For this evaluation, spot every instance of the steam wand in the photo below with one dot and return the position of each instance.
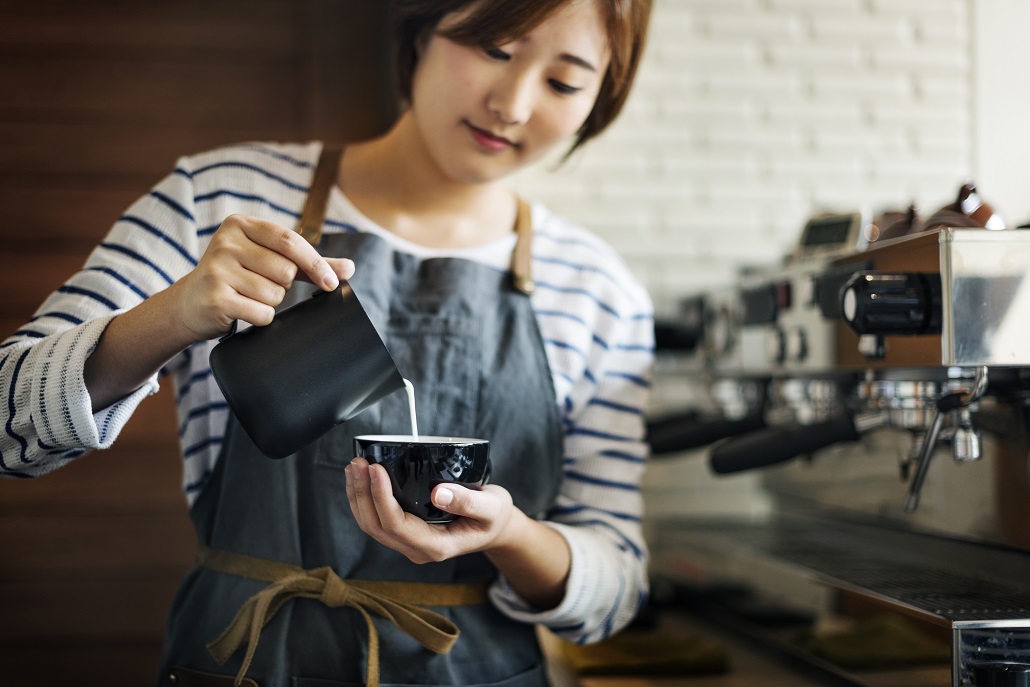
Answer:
(944, 405)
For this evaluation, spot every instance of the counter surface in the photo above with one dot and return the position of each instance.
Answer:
(749, 665)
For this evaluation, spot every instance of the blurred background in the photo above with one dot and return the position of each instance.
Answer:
(748, 117)
(751, 115)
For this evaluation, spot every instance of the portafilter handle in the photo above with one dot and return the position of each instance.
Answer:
(781, 443)
(694, 430)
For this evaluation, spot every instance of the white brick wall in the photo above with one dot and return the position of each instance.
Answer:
(750, 115)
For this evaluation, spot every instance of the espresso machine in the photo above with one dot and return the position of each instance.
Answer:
(877, 385)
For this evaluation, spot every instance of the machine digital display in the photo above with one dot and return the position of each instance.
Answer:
(832, 233)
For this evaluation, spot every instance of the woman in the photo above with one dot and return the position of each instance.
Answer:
(552, 367)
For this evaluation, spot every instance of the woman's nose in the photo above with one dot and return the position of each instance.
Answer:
(511, 99)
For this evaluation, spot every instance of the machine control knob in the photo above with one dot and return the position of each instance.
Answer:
(887, 303)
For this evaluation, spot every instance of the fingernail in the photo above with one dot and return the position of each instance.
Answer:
(330, 281)
(444, 497)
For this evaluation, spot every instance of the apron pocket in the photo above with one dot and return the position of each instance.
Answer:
(442, 357)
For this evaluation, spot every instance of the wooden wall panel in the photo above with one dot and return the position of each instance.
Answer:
(63, 217)
(27, 278)
(90, 558)
(259, 30)
(149, 93)
(111, 152)
(97, 101)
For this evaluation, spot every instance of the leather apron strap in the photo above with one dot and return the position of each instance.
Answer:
(522, 256)
(313, 217)
(399, 602)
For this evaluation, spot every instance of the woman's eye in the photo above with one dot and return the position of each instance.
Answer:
(496, 53)
(563, 88)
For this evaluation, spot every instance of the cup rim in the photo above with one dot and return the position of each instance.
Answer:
(420, 439)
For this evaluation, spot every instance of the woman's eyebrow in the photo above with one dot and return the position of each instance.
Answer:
(578, 61)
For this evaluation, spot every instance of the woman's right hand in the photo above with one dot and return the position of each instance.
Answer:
(245, 272)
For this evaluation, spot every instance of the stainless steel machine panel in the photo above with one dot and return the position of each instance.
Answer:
(884, 397)
(981, 292)
(986, 299)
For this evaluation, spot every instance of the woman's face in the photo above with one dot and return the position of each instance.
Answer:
(485, 112)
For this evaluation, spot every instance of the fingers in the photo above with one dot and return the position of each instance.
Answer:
(392, 517)
(343, 267)
(359, 494)
(295, 248)
(484, 514)
(244, 274)
(380, 516)
(260, 296)
(371, 497)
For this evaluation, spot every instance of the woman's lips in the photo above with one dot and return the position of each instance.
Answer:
(488, 140)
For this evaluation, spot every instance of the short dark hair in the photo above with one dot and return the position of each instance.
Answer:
(492, 22)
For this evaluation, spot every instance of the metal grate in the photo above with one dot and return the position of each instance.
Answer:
(948, 594)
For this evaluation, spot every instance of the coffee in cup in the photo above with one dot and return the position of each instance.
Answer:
(416, 464)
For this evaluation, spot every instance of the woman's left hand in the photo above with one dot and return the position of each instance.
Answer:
(486, 516)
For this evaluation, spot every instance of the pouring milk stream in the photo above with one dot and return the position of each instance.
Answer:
(411, 406)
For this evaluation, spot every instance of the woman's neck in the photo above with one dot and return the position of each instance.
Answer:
(394, 182)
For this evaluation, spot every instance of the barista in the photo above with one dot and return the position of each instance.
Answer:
(552, 367)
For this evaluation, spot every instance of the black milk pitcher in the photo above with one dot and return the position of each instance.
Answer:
(318, 363)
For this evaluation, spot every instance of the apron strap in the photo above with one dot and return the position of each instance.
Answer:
(399, 602)
(522, 256)
(313, 215)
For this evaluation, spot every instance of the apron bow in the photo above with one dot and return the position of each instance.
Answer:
(430, 629)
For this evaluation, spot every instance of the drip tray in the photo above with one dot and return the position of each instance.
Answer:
(794, 573)
(937, 587)
(948, 580)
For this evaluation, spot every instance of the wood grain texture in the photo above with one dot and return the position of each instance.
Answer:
(97, 101)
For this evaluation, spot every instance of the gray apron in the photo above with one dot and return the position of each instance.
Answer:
(468, 341)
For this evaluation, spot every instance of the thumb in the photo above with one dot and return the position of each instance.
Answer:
(453, 499)
(485, 505)
(443, 496)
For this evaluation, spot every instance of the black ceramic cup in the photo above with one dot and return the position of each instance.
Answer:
(417, 464)
(318, 363)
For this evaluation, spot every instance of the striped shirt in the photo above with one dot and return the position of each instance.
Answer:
(595, 319)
